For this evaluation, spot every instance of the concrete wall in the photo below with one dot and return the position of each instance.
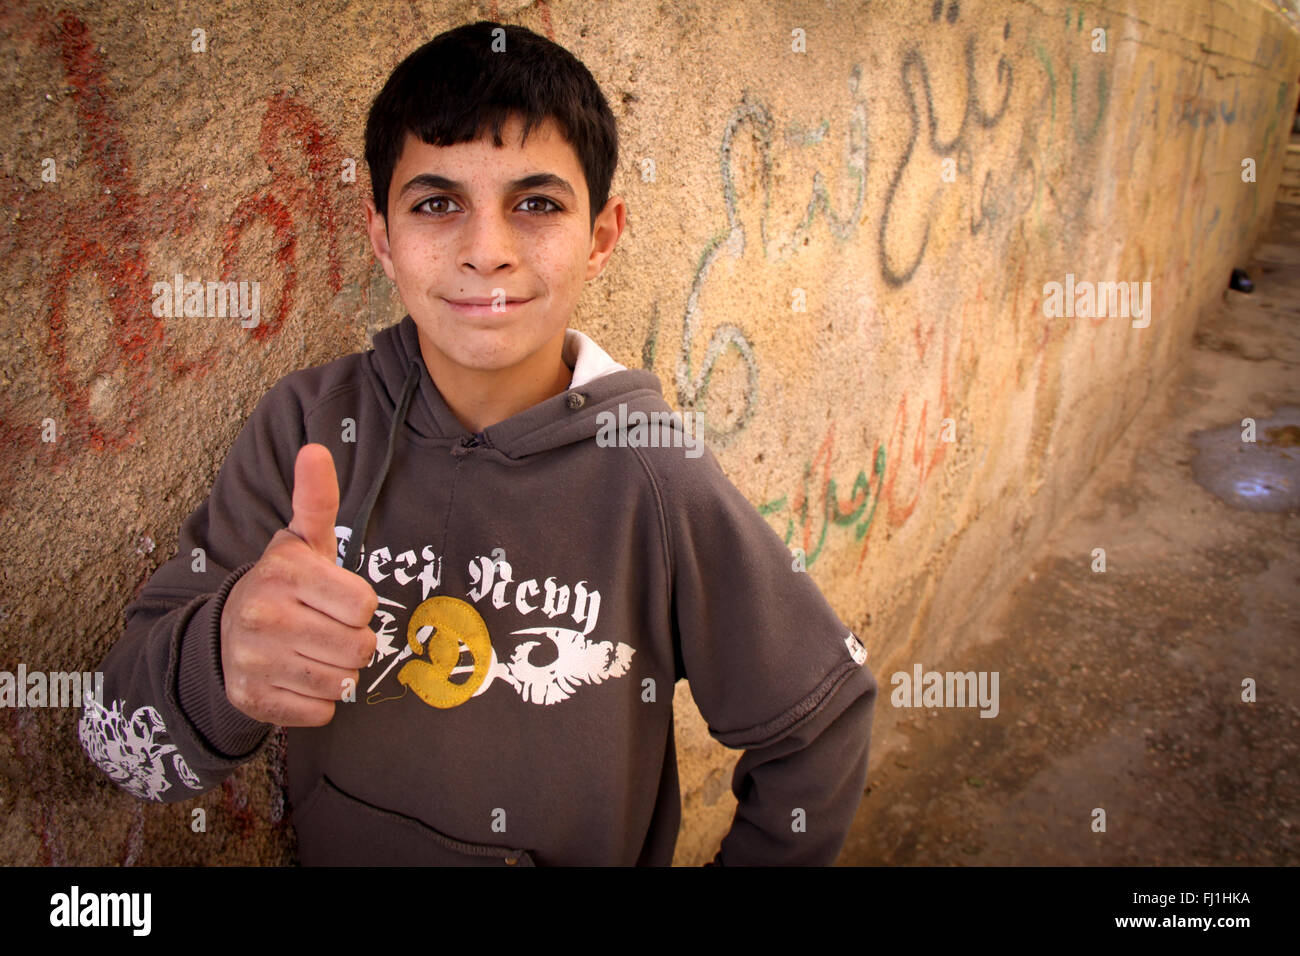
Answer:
(774, 169)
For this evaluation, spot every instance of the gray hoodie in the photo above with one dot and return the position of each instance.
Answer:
(543, 585)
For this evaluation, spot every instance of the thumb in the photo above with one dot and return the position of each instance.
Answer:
(315, 500)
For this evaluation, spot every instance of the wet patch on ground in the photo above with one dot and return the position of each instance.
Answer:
(1253, 466)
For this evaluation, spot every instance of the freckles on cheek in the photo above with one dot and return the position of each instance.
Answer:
(415, 262)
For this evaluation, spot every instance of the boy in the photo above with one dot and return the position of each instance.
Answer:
(475, 654)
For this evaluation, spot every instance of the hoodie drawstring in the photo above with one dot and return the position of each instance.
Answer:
(362, 518)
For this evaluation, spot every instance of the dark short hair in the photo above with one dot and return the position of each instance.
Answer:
(455, 86)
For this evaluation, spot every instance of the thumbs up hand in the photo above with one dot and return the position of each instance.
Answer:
(294, 628)
(315, 500)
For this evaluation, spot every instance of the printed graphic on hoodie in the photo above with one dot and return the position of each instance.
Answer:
(448, 656)
(128, 749)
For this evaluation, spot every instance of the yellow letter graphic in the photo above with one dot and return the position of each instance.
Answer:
(454, 622)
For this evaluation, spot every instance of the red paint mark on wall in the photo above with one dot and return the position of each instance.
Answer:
(819, 509)
(108, 241)
(922, 465)
(288, 118)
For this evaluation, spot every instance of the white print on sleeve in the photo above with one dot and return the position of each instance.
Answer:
(856, 650)
(127, 750)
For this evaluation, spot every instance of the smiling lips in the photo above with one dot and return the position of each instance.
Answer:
(484, 306)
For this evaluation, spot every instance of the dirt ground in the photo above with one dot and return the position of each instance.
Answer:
(1123, 690)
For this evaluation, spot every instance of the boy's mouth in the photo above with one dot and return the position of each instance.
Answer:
(485, 306)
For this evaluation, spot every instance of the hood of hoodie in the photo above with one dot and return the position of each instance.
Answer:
(394, 368)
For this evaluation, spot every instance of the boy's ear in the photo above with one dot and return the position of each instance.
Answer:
(606, 231)
(377, 230)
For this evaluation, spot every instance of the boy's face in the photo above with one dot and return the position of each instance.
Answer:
(478, 230)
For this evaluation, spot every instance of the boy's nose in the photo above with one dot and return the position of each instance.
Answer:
(488, 242)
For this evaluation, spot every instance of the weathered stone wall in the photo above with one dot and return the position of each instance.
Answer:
(802, 265)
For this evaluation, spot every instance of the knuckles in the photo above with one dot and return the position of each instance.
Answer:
(365, 649)
(281, 563)
(237, 690)
(241, 693)
(363, 601)
(370, 606)
(258, 613)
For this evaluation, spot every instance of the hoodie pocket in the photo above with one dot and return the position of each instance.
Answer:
(337, 829)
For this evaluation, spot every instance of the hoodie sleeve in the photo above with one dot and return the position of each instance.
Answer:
(772, 669)
(163, 728)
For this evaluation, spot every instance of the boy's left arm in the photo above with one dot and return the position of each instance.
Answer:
(773, 671)
(797, 796)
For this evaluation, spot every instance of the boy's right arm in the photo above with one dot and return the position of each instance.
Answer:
(166, 728)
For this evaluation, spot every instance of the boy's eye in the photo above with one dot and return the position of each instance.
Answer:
(433, 199)
(555, 207)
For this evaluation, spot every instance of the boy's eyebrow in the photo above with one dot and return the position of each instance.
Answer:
(534, 181)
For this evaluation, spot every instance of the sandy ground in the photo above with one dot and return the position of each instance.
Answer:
(1123, 690)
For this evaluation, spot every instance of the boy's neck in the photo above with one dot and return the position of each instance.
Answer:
(480, 399)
